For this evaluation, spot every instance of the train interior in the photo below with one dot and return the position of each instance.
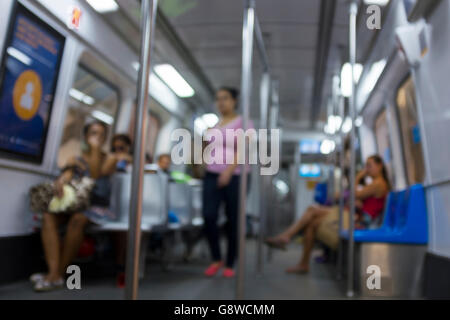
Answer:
(333, 81)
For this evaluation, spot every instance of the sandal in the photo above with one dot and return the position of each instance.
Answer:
(35, 278)
(47, 286)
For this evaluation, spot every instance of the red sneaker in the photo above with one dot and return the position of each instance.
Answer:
(121, 280)
(228, 273)
(213, 269)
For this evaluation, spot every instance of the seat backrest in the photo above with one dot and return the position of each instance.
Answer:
(120, 196)
(417, 216)
(154, 205)
(396, 205)
(197, 202)
(320, 193)
(180, 201)
(154, 192)
(405, 207)
(389, 210)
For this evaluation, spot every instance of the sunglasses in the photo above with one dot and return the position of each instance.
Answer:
(120, 149)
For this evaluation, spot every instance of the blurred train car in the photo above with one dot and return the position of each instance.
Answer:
(67, 63)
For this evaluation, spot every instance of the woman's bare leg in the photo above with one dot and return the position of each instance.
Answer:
(72, 242)
(312, 213)
(308, 245)
(51, 243)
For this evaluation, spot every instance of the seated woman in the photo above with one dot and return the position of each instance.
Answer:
(93, 162)
(370, 200)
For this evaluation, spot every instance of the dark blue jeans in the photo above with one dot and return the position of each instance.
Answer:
(213, 196)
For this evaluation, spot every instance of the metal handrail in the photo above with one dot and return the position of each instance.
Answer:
(251, 32)
(352, 104)
(148, 12)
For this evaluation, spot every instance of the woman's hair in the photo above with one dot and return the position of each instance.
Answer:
(379, 160)
(233, 92)
(93, 123)
(120, 137)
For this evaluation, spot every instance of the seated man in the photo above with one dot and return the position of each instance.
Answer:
(370, 204)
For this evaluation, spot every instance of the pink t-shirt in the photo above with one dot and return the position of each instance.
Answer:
(227, 148)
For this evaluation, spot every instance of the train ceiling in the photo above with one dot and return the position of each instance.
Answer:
(306, 42)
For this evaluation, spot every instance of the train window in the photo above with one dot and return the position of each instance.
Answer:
(91, 98)
(410, 133)
(153, 128)
(383, 142)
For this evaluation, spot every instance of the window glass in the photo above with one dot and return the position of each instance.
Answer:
(90, 99)
(410, 132)
(153, 128)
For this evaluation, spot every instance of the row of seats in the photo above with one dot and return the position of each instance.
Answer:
(405, 220)
(160, 197)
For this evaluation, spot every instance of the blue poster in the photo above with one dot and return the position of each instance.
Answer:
(29, 74)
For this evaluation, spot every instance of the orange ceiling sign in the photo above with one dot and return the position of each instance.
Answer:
(75, 18)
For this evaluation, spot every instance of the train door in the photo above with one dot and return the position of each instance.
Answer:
(410, 132)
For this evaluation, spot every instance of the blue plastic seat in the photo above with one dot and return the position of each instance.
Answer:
(321, 193)
(405, 220)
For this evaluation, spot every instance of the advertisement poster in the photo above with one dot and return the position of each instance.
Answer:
(28, 80)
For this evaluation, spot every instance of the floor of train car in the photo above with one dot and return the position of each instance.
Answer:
(184, 281)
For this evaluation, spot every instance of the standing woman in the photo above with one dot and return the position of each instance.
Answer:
(221, 184)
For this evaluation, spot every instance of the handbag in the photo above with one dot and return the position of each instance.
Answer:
(76, 196)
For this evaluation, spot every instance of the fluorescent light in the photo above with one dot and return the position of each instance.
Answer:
(200, 126)
(106, 118)
(19, 55)
(174, 80)
(372, 77)
(359, 122)
(380, 3)
(136, 65)
(333, 125)
(210, 119)
(162, 93)
(347, 125)
(327, 146)
(282, 187)
(80, 96)
(346, 76)
(103, 6)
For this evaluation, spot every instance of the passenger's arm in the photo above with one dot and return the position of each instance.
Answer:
(110, 165)
(225, 177)
(372, 190)
(95, 157)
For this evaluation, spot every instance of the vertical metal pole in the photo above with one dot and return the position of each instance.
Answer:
(273, 124)
(351, 240)
(247, 55)
(264, 100)
(341, 189)
(148, 16)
